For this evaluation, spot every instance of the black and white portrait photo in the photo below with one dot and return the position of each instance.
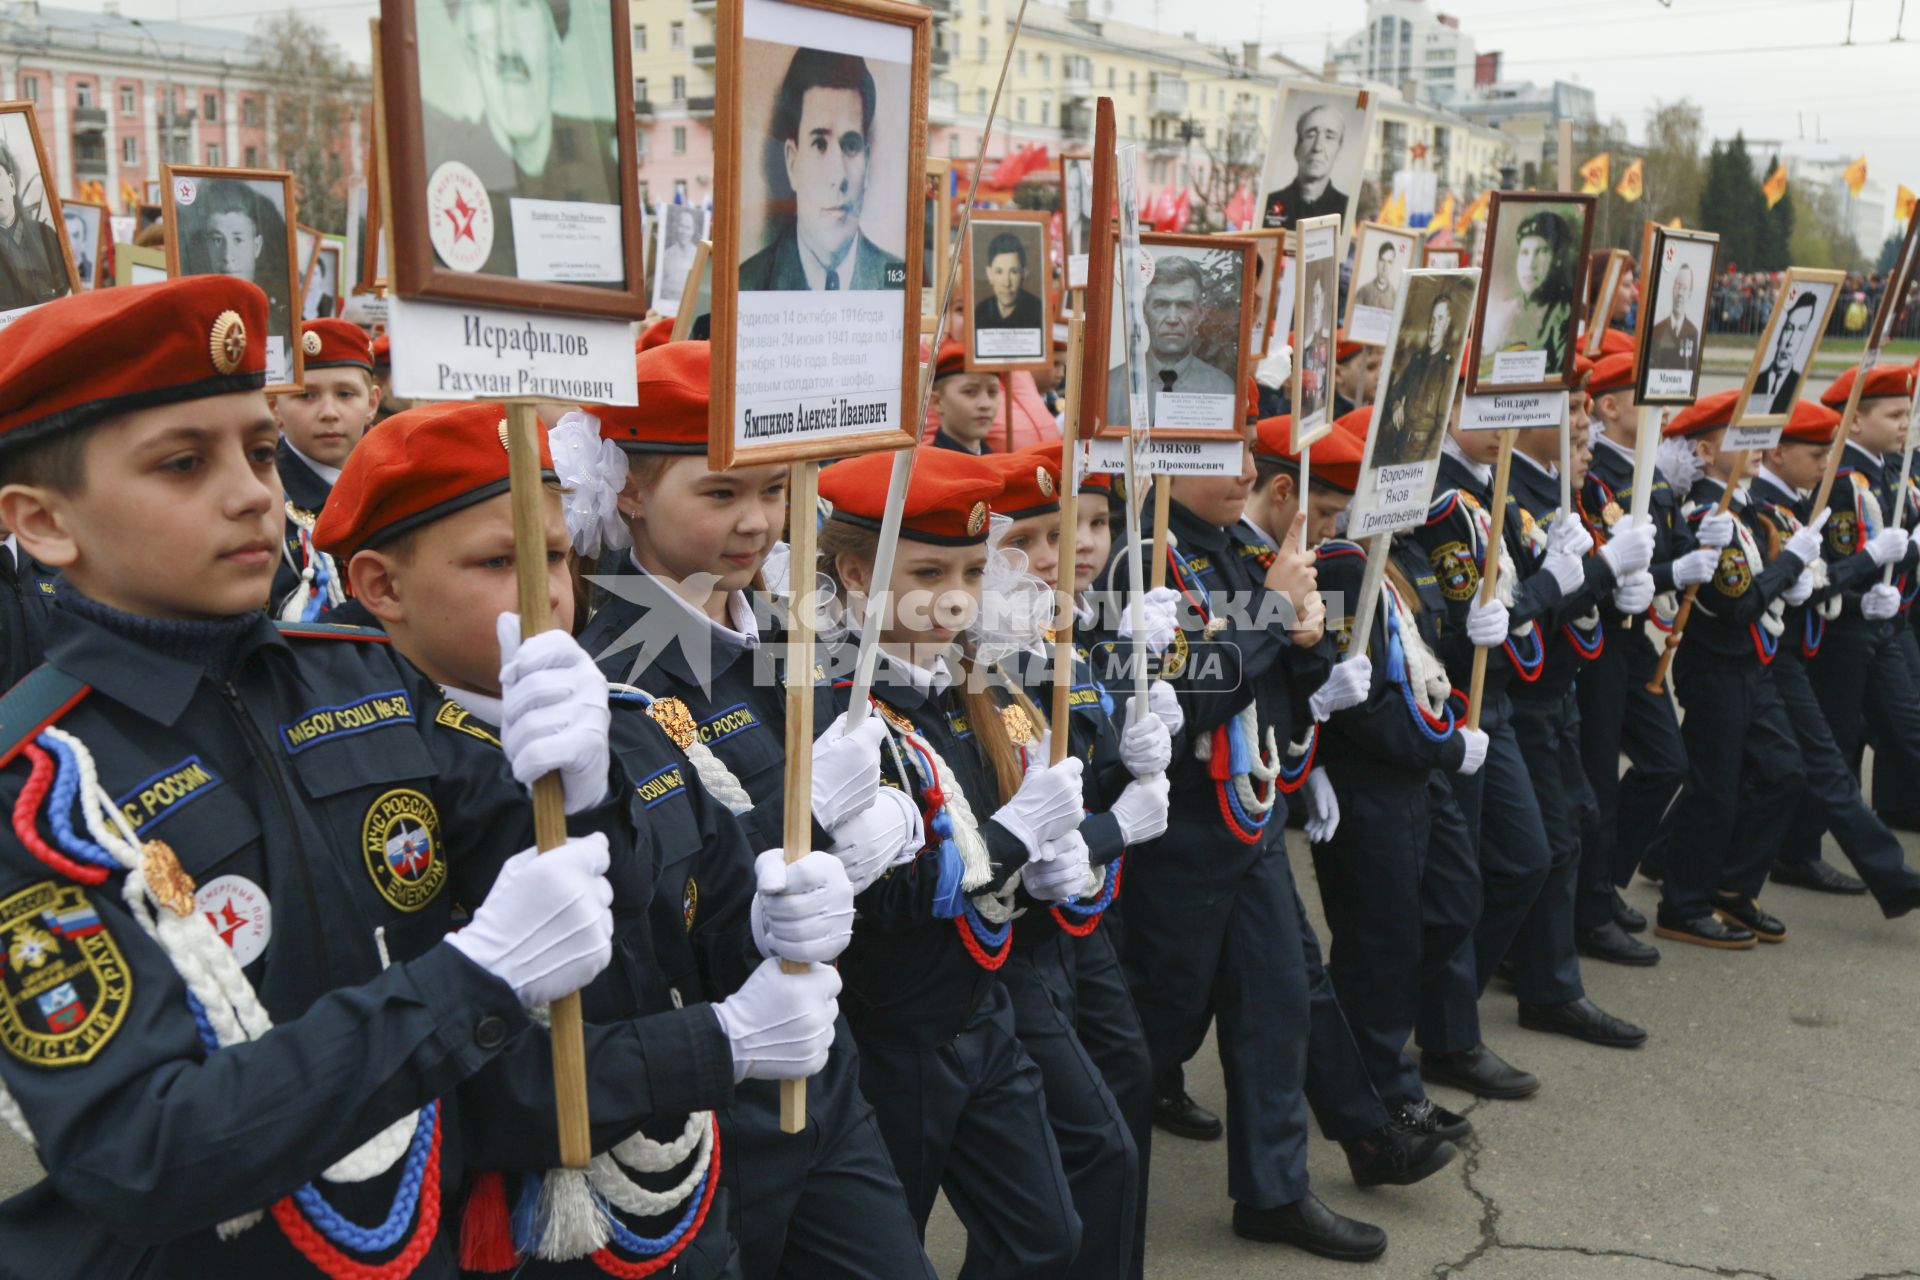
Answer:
(1196, 307)
(1381, 258)
(1535, 259)
(1439, 258)
(1268, 247)
(87, 229)
(679, 226)
(1315, 302)
(1787, 345)
(1076, 215)
(220, 224)
(1006, 279)
(323, 281)
(33, 238)
(1316, 154)
(1676, 296)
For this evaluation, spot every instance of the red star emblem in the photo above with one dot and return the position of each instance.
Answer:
(1419, 150)
(226, 922)
(462, 215)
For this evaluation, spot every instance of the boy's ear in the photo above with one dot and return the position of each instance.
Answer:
(376, 585)
(35, 516)
(854, 573)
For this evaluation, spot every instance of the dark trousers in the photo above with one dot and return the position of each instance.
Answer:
(1109, 1028)
(1449, 1015)
(1618, 714)
(1833, 792)
(969, 1117)
(823, 1202)
(1743, 781)
(1097, 1153)
(1546, 968)
(1502, 809)
(1896, 767)
(1340, 1090)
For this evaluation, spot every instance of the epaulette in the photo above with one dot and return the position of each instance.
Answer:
(1443, 505)
(332, 631)
(42, 697)
(1336, 547)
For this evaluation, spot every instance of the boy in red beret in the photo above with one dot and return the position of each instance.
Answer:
(319, 426)
(1356, 374)
(248, 859)
(963, 405)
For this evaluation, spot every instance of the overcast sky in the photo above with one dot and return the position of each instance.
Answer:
(1777, 69)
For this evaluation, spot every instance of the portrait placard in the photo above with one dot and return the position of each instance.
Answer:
(1196, 305)
(695, 317)
(323, 280)
(1316, 153)
(1006, 270)
(1076, 216)
(305, 240)
(1099, 328)
(679, 229)
(819, 133)
(510, 143)
(36, 262)
(1438, 258)
(1535, 268)
(1513, 410)
(242, 222)
(150, 189)
(1600, 306)
(1410, 411)
(1671, 342)
(1314, 302)
(456, 352)
(1269, 254)
(89, 228)
(1801, 312)
(1381, 258)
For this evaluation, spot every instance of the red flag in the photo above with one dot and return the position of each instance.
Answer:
(1182, 211)
(1009, 172)
(1240, 209)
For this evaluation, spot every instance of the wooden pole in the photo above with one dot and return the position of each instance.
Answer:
(1379, 546)
(1566, 455)
(1006, 405)
(1490, 569)
(549, 804)
(1868, 362)
(1906, 470)
(1162, 512)
(1300, 494)
(797, 828)
(1064, 592)
(1658, 684)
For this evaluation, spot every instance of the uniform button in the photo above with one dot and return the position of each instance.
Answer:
(491, 1033)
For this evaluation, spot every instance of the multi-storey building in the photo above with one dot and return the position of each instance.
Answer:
(1409, 42)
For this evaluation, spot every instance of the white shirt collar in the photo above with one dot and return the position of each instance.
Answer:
(1618, 448)
(1254, 525)
(816, 270)
(1766, 473)
(1481, 471)
(477, 704)
(931, 681)
(330, 474)
(1879, 460)
(1552, 473)
(745, 629)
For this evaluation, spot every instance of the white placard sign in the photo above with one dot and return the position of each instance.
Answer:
(368, 310)
(1507, 410)
(451, 351)
(567, 240)
(1168, 457)
(1751, 438)
(1397, 498)
(1519, 366)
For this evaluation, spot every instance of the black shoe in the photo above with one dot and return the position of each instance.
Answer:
(1583, 1020)
(1705, 931)
(1392, 1156)
(1182, 1117)
(1481, 1072)
(1816, 875)
(1611, 943)
(1738, 909)
(1626, 917)
(1653, 871)
(1426, 1116)
(1308, 1224)
(1901, 903)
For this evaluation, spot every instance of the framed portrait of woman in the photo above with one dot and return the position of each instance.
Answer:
(1535, 271)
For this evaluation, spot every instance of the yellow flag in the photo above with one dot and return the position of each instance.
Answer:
(1903, 202)
(1775, 187)
(1633, 183)
(1595, 174)
(1676, 224)
(1856, 175)
(1394, 211)
(1443, 216)
(1475, 212)
(129, 197)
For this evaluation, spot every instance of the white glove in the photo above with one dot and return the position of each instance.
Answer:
(1165, 703)
(1141, 809)
(1323, 808)
(1568, 536)
(546, 927)
(1886, 546)
(1346, 686)
(1634, 595)
(1805, 541)
(1063, 874)
(1802, 588)
(1146, 748)
(888, 831)
(554, 714)
(1630, 550)
(1488, 624)
(802, 911)
(1476, 750)
(1716, 529)
(1160, 618)
(846, 769)
(780, 1025)
(1880, 603)
(1695, 567)
(1046, 806)
(1276, 368)
(1567, 572)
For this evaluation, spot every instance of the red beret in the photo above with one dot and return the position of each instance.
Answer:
(1345, 349)
(1887, 380)
(951, 359)
(420, 465)
(1611, 373)
(1708, 413)
(382, 349)
(1581, 368)
(1612, 341)
(1030, 485)
(946, 499)
(1049, 452)
(1272, 438)
(336, 344)
(89, 356)
(671, 415)
(657, 334)
(1811, 422)
(1335, 459)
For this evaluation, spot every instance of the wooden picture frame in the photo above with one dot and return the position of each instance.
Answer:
(138, 264)
(700, 281)
(1799, 283)
(1365, 323)
(1096, 302)
(184, 190)
(1600, 312)
(1671, 251)
(664, 217)
(95, 278)
(1558, 314)
(936, 238)
(306, 243)
(41, 188)
(1068, 222)
(1319, 251)
(150, 191)
(1905, 263)
(765, 288)
(1033, 229)
(457, 267)
(1266, 288)
(1450, 257)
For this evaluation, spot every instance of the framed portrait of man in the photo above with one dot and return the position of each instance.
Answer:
(36, 255)
(242, 222)
(1381, 257)
(1269, 263)
(679, 228)
(1006, 278)
(1316, 153)
(305, 241)
(695, 318)
(1534, 271)
(89, 229)
(1076, 216)
(1673, 316)
(1778, 374)
(1437, 258)
(1197, 307)
(936, 239)
(510, 144)
(1315, 313)
(1420, 372)
(323, 281)
(820, 137)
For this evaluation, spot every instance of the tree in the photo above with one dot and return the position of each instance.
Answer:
(319, 92)
(1675, 131)
(1732, 204)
